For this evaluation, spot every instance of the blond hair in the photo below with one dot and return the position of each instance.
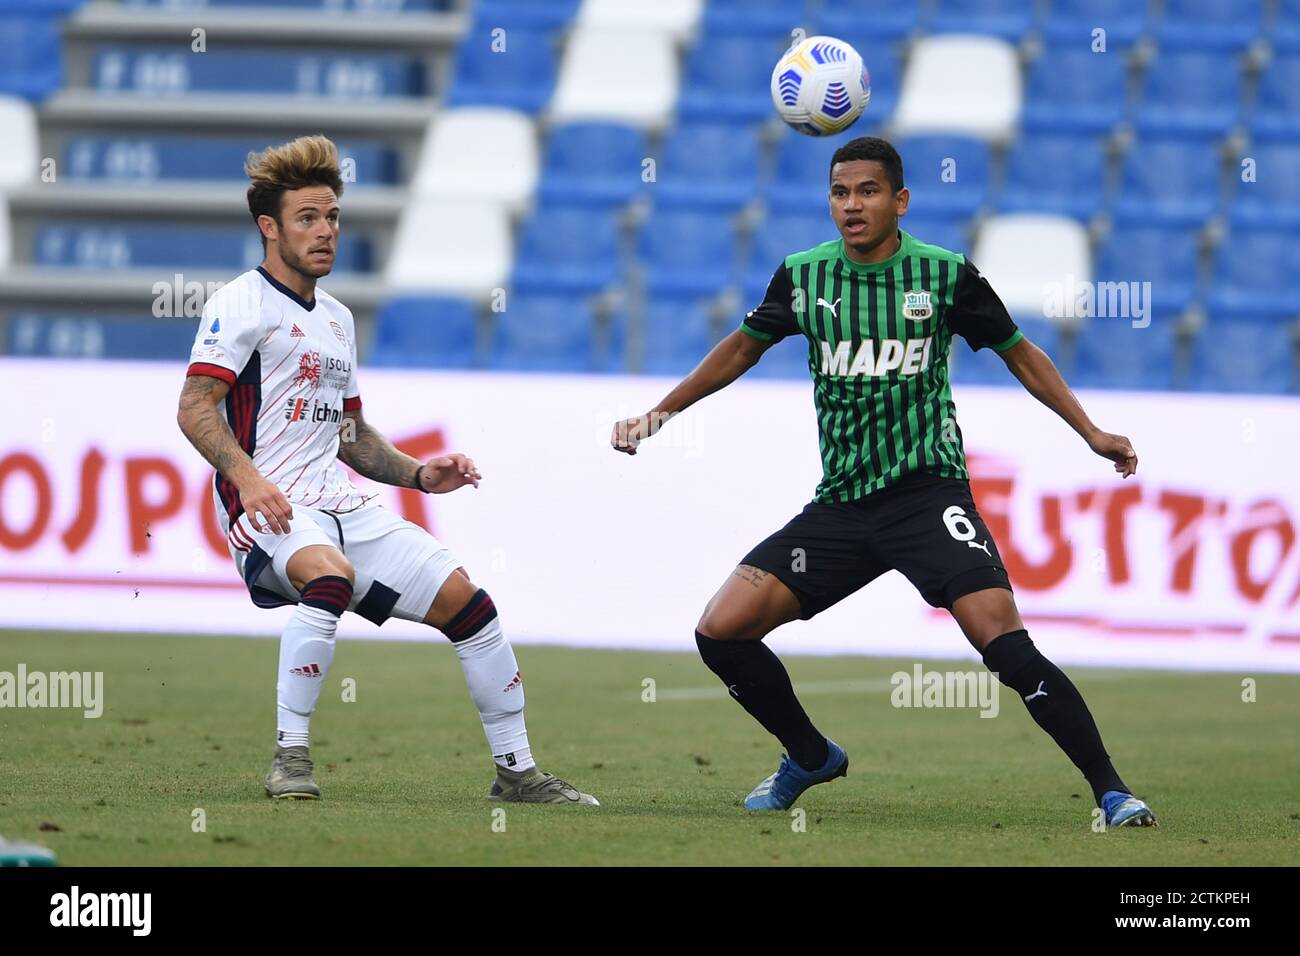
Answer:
(307, 161)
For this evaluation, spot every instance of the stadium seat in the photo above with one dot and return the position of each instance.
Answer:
(456, 247)
(136, 246)
(570, 249)
(31, 56)
(1278, 101)
(1052, 173)
(1220, 25)
(618, 76)
(1239, 353)
(519, 76)
(963, 85)
(1112, 353)
(1073, 21)
(708, 166)
(595, 163)
(152, 158)
(802, 176)
(1025, 256)
(686, 252)
(1008, 19)
(549, 333)
(1273, 198)
(486, 153)
(1074, 90)
(529, 14)
(20, 158)
(947, 233)
(772, 17)
(368, 7)
(1190, 92)
(96, 335)
(1284, 31)
(946, 175)
(728, 77)
(1165, 257)
(786, 359)
(887, 22)
(778, 236)
(425, 332)
(987, 367)
(1254, 270)
(678, 332)
(1169, 180)
(677, 18)
(147, 71)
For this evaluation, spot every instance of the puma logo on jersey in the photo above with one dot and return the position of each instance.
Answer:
(1038, 693)
(982, 545)
(833, 306)
(906, 358)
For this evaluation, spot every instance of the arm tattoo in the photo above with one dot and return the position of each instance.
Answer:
(750, 574)
(208, 431)
(372, 455)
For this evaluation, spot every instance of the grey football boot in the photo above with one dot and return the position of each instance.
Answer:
(290, 775)
(536, 786)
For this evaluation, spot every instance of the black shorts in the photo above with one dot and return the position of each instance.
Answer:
(925, 526)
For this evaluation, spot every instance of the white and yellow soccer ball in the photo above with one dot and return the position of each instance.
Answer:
(820, 86)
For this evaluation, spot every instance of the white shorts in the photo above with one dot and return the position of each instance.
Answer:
(399, 566)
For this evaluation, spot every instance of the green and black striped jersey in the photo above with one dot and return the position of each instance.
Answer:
(878, 338)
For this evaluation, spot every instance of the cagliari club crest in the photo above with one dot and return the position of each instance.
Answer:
(917, 306)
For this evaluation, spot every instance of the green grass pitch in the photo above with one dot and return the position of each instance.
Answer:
(188, 724)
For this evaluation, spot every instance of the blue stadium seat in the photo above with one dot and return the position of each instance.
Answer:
(1190, 92)
(153, 158)
(728, 77)
(786, 359)
(1072, 89)
(778, 236)
(1243, 354)
(230, 248)
(372, 7)
(708, 166)
(687, 253)
(1285, 29)
(1222, 25)
(802, 177)
(773, 17)
(1170, 180)
(678, 332)
(509, 14)
(425, 332)
(1273, 199)
(1254, 271)
(1165, 257)
(39, 8)
(886, 22)
(1278, 107)
(31, 56)
(1111, 353)
(100, 335)
(987, 367)
(1073, 21)
(570, 249)
(940, 187)
(594, 163)
(148, 71)
(1058, 174)
(550, 333)
(951, 234)
(1008, 19)
(520, 77)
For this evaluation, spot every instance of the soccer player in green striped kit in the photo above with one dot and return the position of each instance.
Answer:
(878, 309)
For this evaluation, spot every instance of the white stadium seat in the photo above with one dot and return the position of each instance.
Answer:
(620, 76)
(479, 153)
(677, 18)
(1027, 256)
(960, 84)
(20, 158)
(458, 247)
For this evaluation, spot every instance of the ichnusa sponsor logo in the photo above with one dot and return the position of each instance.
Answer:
(75, 908)
(301, 410)
(57, 689)
(905, 357)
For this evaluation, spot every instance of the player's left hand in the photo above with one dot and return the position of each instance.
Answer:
(1118, 449)
(448, 473)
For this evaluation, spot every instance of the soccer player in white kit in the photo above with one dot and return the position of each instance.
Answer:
(270, 391)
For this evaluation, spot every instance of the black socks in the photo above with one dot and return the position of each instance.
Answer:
(756, 678)
(1056, 706)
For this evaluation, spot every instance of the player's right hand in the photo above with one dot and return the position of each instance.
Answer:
(629, 433)
(262, 497)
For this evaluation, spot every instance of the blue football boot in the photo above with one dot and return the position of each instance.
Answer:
(1125, 810)
(782, 789)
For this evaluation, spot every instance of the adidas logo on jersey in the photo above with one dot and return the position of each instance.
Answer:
(296, 332)
(518, 681)
(307, 670)
(905, 357)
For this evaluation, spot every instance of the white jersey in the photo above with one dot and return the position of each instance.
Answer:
(291, 368)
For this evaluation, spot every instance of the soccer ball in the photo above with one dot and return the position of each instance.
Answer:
(820, 86)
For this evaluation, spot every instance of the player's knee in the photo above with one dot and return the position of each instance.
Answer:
(727, 625)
